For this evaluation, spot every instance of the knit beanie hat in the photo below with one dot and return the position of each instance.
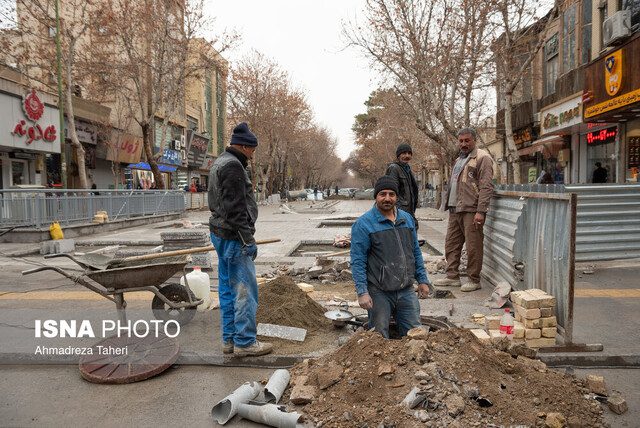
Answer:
(403, 147)
(242, 136)
(385, 182)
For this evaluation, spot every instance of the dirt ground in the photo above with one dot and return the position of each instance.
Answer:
(362, 383)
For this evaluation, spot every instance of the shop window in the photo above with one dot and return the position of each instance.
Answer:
(550, 64)
(587, 6)
(19, 173)
(601, 147)
(569, 38)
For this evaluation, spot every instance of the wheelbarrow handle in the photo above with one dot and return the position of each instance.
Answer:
(177, 253)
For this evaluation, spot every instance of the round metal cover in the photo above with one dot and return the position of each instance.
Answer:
(118, 360)
(340, 315)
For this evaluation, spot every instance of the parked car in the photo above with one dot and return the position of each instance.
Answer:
(364, 194)
(347, 191)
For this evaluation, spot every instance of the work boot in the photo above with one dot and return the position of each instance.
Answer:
(258, 348)
(470, 286)
(447, 281)
(227, 348)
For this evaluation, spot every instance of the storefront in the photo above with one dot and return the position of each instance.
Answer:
(140, 176)
(113, 157)
(560, 127)
(174, 153)
(30, 122)
(197, 159)
(612, 113)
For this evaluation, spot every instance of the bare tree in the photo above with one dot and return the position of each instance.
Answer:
(150, 57)
(432, 52)
(520, 41)
(29, 45)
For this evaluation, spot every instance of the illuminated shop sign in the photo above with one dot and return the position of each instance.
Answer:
(604, 136)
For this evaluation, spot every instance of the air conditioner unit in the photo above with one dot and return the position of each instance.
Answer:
(176, 145)
(616, 28)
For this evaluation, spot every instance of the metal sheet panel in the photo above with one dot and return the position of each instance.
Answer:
(608, 225)
(529, 243)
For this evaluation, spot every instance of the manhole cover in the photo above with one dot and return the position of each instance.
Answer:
(118, 360)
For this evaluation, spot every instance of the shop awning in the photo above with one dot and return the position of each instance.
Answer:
(144, 165)
(542, 144)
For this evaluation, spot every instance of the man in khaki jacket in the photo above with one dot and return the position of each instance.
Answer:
(468, 196)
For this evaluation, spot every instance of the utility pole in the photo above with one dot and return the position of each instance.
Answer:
(63, 157)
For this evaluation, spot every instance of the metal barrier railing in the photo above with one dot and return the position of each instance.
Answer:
(607, 226)
(40, 207)
(530, 243)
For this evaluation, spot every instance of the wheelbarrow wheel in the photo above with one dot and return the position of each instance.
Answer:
(176, 293)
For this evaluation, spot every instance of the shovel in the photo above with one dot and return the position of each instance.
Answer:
(102, 263)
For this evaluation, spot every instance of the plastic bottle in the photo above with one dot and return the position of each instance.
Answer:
(506, 325)
(199, 284)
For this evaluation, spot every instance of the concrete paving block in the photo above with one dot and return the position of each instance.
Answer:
(282, 331)
(46, 247)
(481, 335)
(536, 323)
(532, 333)
(546, 312)
(63, 246)
(549, 322)
(537, 343)
(549, 331)
(528, 314)
(596, 384)
(518, 330)
(617, 404)
(492, 322)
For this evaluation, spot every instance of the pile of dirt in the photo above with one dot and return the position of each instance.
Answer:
(465, 382)
(282, 302)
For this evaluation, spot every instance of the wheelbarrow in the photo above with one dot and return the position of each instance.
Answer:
(114, 277)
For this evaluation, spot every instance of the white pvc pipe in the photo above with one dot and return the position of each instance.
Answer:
(269, 414)
(276, 385)
(228, 406)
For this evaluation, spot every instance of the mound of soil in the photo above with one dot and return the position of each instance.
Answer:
(282, 302)
(363, 383)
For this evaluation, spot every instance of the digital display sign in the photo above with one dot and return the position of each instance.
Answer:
(603, 136)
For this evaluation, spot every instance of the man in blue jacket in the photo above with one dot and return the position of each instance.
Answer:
(232, 224)
(385, 261)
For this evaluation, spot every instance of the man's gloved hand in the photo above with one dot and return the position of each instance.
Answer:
(251, 251)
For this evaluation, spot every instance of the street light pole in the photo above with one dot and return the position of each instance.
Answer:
(63, 157)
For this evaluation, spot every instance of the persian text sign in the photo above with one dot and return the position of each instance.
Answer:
(562, 115)
(30, 123)
(612, 104)
(125, 148)
(197, 154)
(171, 157)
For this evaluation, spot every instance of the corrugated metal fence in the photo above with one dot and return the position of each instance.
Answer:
(529, 244)
(36, 208)
(608, 218)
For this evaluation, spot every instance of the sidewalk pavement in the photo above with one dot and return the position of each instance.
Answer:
(606, 311)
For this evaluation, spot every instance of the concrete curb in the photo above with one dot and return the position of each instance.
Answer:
(185, 358)
(586, 359)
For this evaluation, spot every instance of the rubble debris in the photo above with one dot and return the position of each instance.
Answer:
(617, 404)
(457, 364)
(596, 384)
(342, 241)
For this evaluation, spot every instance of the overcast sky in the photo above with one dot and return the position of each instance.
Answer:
(303, 36)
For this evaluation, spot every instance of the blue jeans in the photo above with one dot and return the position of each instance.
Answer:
(238, 293)
(403, 305)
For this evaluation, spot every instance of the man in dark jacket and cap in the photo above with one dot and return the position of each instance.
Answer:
(407, 186)
(232, 224)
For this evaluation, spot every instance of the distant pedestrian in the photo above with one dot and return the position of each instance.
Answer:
(407, 186)
(315, 193)
(599, 174)
(467, 199)
(234, 212)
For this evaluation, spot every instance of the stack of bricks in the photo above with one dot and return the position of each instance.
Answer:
(534, 315)
(492, 324)
(187, 240)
